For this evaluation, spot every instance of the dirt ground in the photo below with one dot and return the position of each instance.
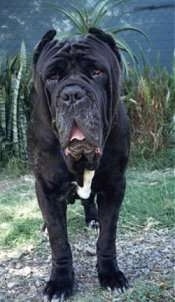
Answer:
(146, 256)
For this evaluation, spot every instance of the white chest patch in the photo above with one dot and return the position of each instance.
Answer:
(85, 191)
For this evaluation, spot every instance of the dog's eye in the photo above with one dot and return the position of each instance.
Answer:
(53, 77)
(96, 72)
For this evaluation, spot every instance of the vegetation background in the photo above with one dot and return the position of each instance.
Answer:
(149, 93)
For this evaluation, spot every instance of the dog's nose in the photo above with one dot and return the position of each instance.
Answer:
(72, 93)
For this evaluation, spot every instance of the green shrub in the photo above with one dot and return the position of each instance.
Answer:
(150, 97)
(14, 92)
(150, 100)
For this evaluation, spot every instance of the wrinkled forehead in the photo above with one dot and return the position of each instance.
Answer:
(76, 50)
(87, 46)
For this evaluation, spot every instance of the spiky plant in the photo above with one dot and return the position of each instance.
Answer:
(84, 18)
(14, 77)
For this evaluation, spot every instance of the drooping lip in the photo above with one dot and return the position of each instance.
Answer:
(77, 134)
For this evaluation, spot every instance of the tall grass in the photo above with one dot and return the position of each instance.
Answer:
(151, 105)
(150, 99)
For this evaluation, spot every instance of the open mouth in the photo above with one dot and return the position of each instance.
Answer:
(79, 145)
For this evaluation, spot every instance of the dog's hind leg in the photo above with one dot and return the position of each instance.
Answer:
(90, 211)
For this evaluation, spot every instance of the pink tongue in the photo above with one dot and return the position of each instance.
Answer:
(76, 133)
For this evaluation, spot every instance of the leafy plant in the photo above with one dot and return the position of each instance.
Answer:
(84, 18)
(151, 106)
(14, 79)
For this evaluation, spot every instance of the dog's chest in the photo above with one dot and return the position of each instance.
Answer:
(85, 191)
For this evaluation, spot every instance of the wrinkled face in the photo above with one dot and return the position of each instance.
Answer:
(77, 83)
(76, 86)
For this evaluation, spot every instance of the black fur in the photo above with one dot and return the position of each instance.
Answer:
(79, 82)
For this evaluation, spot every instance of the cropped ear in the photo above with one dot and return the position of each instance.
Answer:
(106, 38)
(45, 39)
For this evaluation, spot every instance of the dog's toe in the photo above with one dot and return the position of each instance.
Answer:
(55, 293)
(114, 280)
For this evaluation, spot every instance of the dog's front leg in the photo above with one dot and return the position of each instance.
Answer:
(109, 202)
(54, 213)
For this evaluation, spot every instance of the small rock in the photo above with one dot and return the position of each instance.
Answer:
(22, 255)
(37, 283)
(25, 271)
(90, 251)
(11, 285)
(18, 265)
(78, 247)
(49, 259)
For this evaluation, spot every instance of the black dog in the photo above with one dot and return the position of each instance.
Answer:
(78, 142)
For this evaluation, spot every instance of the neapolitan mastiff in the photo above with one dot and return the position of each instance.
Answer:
(78, 141)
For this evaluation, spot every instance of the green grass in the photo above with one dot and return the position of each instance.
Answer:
(151, 160)
(149, 291)
(149, 201)
(142, 291)
(14, 167)
(20, 218)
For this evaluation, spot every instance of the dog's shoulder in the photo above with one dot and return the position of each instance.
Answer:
(121, 125)
(118, 142)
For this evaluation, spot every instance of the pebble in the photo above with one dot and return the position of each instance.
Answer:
(18, 265)
(10, 285)
(37, 283)
(90, 251)
(25, 271)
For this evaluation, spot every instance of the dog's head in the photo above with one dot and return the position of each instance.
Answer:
(79, 81)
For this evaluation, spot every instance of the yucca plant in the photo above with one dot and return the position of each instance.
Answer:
(14, 77)
(93, 16)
